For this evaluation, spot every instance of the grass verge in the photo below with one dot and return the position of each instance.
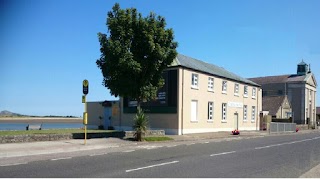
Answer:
(52, 131)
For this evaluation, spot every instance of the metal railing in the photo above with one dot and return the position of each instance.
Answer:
(277, 127)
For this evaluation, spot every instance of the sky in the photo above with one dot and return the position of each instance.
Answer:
(48, 47)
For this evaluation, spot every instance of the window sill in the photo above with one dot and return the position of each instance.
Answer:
(224, 92)
(245, 96)
(209, 121)
(211, 91)
(236, 94)
(253, 121)
(223, 121)
(195, 87)
(253, 97)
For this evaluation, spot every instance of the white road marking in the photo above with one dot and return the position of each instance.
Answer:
(224, 153)
(154, 147)
(13, 164)
(151, 166)
(172, 146)
(286, 143)
(61, 158)
(97, 154)
(128, 151)
(206, 143)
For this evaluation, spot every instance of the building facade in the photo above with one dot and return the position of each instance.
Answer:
(300, 89)
(277, 106)
(103, 114)
(199, 97)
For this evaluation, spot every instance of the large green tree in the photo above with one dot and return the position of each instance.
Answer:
(134, 53)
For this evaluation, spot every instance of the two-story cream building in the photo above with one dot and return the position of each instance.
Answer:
(198, 97)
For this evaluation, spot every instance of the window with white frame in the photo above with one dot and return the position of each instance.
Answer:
(224, 86)
(254, 90)
(224, 112)
(245, 91)
(194, 80)
(210, 111)
(236, 88)
(210, 84)
(245, 112)
(253, 117)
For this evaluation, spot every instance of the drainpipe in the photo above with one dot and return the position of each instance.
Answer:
(182, 102)
(258, 109)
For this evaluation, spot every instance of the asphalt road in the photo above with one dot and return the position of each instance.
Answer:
(271, 156)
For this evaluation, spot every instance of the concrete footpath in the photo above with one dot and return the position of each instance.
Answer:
(14, 150)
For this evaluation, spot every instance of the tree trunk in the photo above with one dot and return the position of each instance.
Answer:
(139, 136)
(138, 104)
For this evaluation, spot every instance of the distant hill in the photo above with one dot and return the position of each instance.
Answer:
(6, 113)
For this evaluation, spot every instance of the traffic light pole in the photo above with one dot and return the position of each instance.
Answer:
(85, 90)
(85, 122)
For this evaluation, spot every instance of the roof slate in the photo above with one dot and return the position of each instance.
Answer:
(272, 104)
(279, 79)
(198, 65)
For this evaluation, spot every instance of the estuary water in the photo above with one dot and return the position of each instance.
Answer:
(22, 126)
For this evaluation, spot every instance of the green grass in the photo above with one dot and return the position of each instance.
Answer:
(155, 139)
(52, 131)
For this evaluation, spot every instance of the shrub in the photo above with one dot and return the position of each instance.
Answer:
(140, 124)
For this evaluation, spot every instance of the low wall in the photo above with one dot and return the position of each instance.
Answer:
(54, 137)
(149, 133)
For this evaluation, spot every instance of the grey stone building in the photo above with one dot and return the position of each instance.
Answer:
(300, 89)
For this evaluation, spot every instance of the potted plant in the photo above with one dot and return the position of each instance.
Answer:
(235, 132)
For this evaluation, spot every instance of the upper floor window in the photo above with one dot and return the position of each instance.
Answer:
(210, 84)
(224, 86)
(236, 88)
(254, 91)
(194, 80)
(245, 91)
(310, 95)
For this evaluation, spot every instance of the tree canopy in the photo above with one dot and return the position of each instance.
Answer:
(134, 53)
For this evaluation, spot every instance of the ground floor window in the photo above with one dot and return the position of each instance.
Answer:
(253, 114)
(210, 111)
(245, 114)
(224, 112)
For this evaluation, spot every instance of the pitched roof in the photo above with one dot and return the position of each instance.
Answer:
(272, 104)
(198, 65)
(280, 79)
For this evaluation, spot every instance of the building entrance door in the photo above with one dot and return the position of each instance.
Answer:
(107, 117)
(236, 121)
